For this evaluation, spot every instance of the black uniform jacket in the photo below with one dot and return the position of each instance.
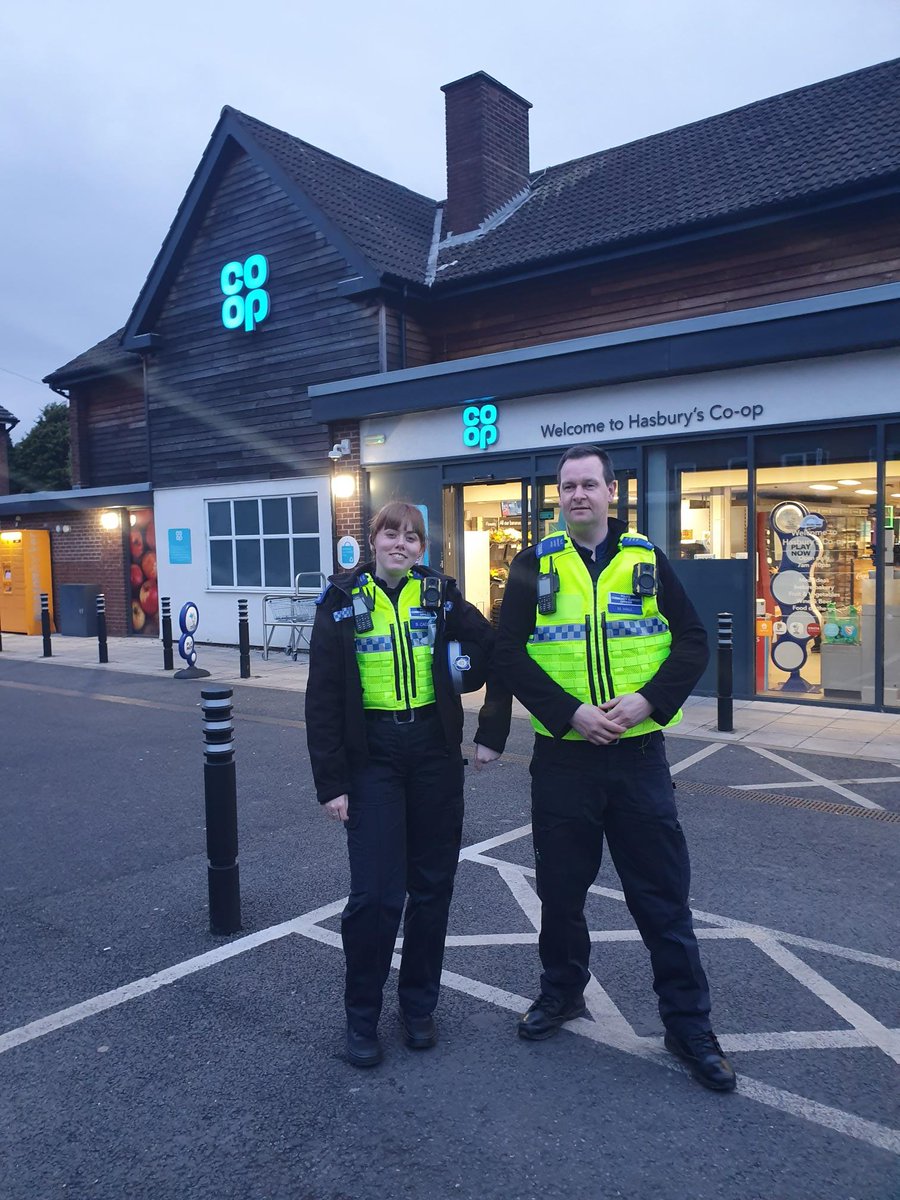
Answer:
(541, 695)
(335, 718)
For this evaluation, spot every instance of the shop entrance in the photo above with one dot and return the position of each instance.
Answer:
(487, 524)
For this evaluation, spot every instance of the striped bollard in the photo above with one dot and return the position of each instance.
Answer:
(102, 648)
(244, 637)
(725, 674)
(45, 624)
(168, 658)
(220, 794)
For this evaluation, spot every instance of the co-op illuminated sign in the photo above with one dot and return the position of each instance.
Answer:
(246, 300)
(480, 424)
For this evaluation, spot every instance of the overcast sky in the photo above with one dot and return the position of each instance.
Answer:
(105, 110)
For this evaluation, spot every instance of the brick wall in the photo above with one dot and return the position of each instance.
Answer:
(348, 514)
(487, 150)
(81, 551)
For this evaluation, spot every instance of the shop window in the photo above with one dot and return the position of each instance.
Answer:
(889, 554)
(262, 542)
(817, 546)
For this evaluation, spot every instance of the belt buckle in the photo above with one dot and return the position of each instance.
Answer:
(410, 716)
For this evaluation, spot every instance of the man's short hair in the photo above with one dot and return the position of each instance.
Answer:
(587, 450)
(397, 515)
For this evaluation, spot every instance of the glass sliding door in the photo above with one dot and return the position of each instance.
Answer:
(817, 542)
(888, 552)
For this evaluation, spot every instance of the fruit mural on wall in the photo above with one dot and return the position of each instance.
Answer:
(144, 589)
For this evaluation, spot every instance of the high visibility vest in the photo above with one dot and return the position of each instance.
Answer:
(394, 657)
(603, 640)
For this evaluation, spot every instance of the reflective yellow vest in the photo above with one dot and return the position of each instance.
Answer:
(603, 640)
(394, 657)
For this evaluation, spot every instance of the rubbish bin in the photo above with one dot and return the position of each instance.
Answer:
(76, 615)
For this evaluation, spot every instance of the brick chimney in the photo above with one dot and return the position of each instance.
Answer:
(487, 149)
(7, 423)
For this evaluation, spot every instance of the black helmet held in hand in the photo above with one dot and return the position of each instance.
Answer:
(468, 665)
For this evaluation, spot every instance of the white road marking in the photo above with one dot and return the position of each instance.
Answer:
(810, 783)
(818, 779)
(853, 1013)
(684, 763)
(140, 987)
(607, 1030)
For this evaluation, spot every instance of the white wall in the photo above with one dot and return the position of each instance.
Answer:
(184, 508)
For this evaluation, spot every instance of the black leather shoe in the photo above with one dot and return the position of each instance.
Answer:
(704, 1058)
(547, 1015)
(419, 1033)
(362, 1050)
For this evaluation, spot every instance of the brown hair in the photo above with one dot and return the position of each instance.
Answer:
(397, 515)
(587, 450)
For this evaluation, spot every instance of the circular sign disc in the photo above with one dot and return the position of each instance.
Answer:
(790, 587)
(788, 656)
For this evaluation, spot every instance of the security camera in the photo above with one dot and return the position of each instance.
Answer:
(336, 452)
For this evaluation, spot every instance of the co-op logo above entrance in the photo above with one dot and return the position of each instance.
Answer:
(247, 302)
(480, 424)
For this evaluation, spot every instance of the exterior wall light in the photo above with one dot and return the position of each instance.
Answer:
(12, 535)
(110, 520)
(343, 487)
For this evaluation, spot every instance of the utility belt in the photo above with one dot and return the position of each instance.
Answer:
(402, 716)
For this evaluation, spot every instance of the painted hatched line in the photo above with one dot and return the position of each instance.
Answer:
(825, 806)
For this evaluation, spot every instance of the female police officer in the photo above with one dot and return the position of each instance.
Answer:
(384, 725)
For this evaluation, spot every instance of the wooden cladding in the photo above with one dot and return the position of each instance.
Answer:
(828, 253)
(227, 404)
(109, 432)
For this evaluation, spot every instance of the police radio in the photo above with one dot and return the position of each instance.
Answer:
(547, 587)
(431, 593)
(643, 579)
(362, 613)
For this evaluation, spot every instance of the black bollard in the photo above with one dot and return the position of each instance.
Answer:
(244, 637)
(220, 790)
(45, 624)
(168, 660)
(101, 629)
(725, 674)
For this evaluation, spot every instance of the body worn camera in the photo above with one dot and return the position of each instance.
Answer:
(547, 587)
(431, 593)
(643, 579)
(362, 613)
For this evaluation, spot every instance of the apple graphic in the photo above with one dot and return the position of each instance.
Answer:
(149, 597)
(137, 577)
(138, 617)
(137, 545)
(148, 564)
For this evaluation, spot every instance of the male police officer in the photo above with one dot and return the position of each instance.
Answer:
(600, 642)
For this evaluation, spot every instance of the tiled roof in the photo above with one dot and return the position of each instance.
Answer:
(391, 225)
(106, 357)
(801, 147)
(7, 420)
(838, 135)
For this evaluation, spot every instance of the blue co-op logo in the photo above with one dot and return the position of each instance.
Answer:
(247, 302)
(480, 425)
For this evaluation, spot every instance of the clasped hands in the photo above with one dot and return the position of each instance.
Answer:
(605, 723)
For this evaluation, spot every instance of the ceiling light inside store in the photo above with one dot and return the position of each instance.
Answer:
(823, 487)
(849, 482)
(866, 492)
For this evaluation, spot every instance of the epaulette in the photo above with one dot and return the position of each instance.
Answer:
(324, 592)
(551, 545)
(635, 539)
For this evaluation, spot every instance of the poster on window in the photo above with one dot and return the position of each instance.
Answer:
(144, 589)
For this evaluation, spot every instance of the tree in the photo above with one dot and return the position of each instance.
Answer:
(40, 461)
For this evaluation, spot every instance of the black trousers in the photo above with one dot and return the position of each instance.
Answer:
(403, 835)
(581, 793)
